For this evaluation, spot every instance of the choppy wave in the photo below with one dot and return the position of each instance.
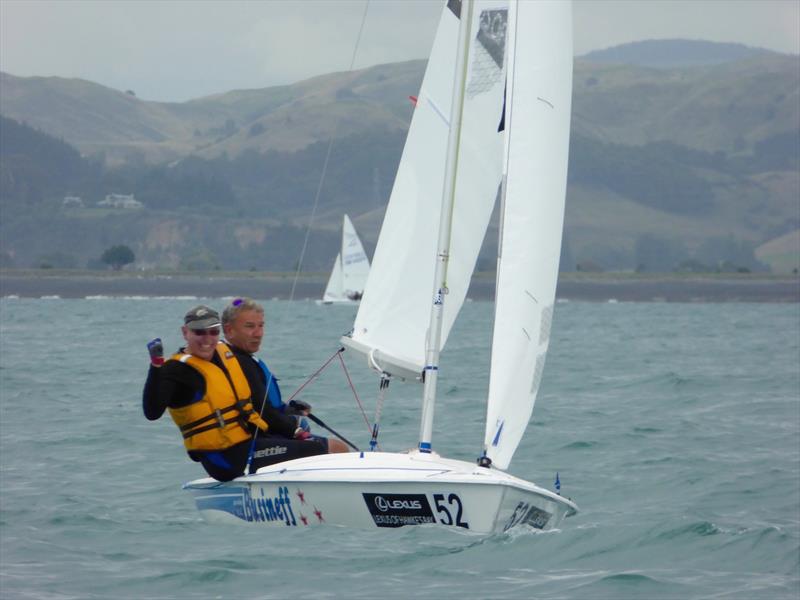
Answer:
(681, 446)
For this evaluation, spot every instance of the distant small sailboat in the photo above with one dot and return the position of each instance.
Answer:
(350, 271)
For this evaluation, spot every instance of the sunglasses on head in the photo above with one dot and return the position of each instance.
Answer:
(212, 331)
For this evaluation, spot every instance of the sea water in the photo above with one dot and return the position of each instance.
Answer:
(675, 427)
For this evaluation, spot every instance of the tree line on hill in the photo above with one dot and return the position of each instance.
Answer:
(664, 175)
(37, 171)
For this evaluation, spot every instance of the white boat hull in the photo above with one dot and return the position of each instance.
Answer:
(338, 302)
(377, 489)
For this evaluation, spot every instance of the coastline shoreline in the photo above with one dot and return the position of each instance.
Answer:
(594, 287)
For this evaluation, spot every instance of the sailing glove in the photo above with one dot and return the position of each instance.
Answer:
(303, 423)
(156, 350)
(299, 434)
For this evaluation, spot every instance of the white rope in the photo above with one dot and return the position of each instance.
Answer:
(373, 363)
(384, 385)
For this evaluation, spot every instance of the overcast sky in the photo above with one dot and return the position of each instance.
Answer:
(178, 50)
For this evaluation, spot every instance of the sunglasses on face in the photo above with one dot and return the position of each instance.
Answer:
(213, 331)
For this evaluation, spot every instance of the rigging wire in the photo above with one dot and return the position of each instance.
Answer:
(325, 162)
(316, 374)
(251, 453)
(355, 394)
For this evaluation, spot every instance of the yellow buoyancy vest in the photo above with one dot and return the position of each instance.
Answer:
(218, 420)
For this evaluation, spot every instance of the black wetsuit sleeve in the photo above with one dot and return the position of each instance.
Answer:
(151, 402)
(173, 385)
(278, 422)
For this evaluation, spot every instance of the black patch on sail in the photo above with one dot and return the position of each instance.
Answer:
(502, 125)
(492, 34)
(455, 7)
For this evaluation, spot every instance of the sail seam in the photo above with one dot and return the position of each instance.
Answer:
(437, 110)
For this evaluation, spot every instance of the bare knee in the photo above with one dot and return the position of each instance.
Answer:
(336, 446)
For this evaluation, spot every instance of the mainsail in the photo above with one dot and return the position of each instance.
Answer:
(392, 322)
(538, 118)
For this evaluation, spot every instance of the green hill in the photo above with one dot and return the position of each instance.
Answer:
(684, 167)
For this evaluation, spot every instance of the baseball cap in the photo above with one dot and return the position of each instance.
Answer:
(201, 317)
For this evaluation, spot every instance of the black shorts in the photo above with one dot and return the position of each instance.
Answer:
(224, 465)
(271, 449)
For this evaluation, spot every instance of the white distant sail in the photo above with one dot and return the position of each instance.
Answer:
(355, 264)
(350, 271)
(335, 289)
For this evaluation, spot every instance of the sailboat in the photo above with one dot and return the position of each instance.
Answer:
(350, 271)
(491, 121)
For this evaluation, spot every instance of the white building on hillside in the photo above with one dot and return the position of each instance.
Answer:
(120, 201)
(75, 201)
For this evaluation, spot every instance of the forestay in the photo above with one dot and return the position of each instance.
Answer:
(538, 118)
(392, 321)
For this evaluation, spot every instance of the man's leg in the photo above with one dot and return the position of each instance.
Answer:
(271, 449)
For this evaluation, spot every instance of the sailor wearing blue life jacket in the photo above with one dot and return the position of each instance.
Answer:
(209, 398)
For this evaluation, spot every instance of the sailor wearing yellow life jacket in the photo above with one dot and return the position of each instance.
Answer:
(219, 419)
(209, 398)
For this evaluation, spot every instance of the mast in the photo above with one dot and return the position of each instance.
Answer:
(432, 349)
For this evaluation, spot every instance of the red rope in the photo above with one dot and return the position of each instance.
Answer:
(352, 387)
(310, 379)
(349, 381)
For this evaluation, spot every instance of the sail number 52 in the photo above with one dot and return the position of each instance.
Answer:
(446, 517)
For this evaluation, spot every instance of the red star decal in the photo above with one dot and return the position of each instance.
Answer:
(304, 519)
(302, 497)
(319, 514)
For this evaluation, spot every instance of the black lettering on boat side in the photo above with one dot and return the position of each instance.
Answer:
(442, 509)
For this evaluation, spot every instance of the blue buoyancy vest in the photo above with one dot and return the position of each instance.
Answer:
(274, 392)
